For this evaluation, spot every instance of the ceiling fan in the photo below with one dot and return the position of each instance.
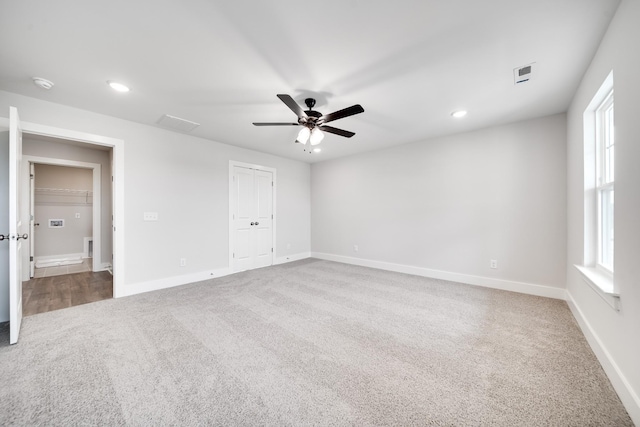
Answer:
(313, 122)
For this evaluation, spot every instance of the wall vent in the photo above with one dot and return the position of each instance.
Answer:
(523, 74)
(176, 123)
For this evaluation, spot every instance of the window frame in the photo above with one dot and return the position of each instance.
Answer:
(593, 272)
(605, 178)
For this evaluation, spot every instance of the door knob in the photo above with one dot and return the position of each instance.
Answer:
(24, 236)
(253, 223)
(3, 237)
(257, 223)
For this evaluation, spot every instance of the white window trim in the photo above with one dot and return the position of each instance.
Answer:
(598, 277)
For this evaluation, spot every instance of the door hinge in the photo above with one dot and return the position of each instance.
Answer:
(31, 176)
(272, 183)
(271, 249)
(271, 216)
(31, 258)
(234, 255)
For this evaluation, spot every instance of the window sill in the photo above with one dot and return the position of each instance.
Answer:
(602, 284)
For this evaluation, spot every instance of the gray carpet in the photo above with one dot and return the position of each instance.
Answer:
(308, 343)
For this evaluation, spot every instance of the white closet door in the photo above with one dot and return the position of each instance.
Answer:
(242, 213)
(263, 212)
(252, 201)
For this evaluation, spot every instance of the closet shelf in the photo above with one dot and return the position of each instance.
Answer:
(62, 197)
(63, 191)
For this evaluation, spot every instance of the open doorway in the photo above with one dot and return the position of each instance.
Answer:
(18, 226)
(69, 211)
(61, 211)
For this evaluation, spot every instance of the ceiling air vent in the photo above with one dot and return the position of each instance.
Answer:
(176, 123)
(523, 74)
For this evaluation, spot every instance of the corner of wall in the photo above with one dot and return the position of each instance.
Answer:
(291, 258)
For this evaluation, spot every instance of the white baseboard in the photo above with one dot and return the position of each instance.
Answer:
(54, 257)
(56, 260)
(628, 396)
(102, 267)
(169, 282)
(291, 258)
(489, 282)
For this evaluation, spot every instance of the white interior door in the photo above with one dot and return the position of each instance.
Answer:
(15, 227)
(252, 222)
(32, 220)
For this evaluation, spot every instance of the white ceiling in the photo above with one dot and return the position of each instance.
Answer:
(409, 63)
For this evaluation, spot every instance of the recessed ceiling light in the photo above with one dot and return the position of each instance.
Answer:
(317, 150)
(458, 114)
(43, 83)
(118, 86)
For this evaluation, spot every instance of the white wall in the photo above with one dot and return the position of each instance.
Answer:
(185, 180)
(52, 176)
(76, 210)
(451, 204)
(80, 153)
(615, 336)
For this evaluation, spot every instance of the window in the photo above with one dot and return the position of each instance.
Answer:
(605, 174)
(599, 178)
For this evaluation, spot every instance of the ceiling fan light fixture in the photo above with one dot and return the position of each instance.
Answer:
(311, 120)
(459, 114)
(316, 136)
(303, 135)
(317, 150)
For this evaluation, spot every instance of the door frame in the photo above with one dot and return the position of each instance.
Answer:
(97, 198)
(117, 173)
(232, 164)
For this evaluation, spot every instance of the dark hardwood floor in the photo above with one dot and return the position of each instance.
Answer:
(56, 292)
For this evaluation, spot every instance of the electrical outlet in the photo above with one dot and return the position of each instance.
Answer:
(183, 262)
(77, 215)
(150, 216)
(355, 248)
(494, 263)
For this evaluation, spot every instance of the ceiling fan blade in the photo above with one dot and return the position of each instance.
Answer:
(336, 131)
(275, 124)
(293, 105)
(349, 111)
